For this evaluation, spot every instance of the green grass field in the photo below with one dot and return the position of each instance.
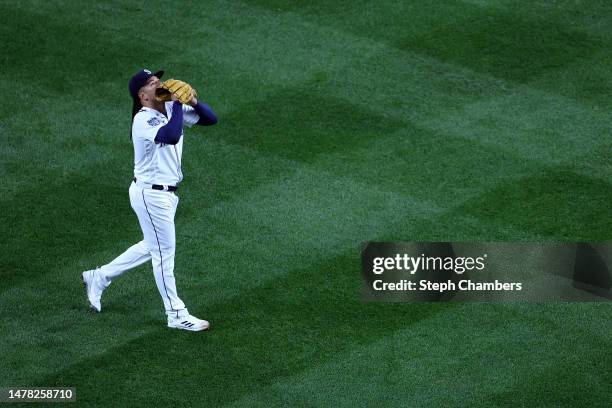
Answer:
(339, 122)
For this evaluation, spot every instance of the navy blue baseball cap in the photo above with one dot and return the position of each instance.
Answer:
(140, 79)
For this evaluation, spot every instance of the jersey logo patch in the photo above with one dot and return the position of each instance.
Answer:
(153, 122)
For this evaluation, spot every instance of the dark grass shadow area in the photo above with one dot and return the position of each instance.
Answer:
(555, 203)
(502, 44)
(60, 219)
(298, 124)
(562, 385)
(428, 165)
(61, 53)
(292, 324)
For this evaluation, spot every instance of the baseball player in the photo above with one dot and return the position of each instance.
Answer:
(160, 111)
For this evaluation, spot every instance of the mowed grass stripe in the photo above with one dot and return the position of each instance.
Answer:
(309, 216)
(588, 16)
(556, 203)
(528, 123)
(423, 82)
(534, 126)
(487, 354)
(473, 166)
(59, 220)
(568, 123)
(509, 40)
(430, 166)
(491, 158)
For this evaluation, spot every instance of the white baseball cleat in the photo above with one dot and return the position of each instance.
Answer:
(188, 322)
(93, 289)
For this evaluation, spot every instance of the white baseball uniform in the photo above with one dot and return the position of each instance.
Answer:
(154, 164)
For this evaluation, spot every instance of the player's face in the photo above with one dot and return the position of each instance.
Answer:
(147, 92)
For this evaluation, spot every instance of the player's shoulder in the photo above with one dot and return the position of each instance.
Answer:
(143, 122)
(143, 114)
(144, 117)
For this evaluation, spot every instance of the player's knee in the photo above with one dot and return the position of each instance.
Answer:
(167, 247)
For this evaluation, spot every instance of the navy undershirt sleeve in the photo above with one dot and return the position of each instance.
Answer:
(206, 114)
(171, 132)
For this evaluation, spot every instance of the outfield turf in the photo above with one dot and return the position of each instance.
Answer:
(339, 122)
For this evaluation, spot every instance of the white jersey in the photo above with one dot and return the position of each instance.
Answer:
(158, 163)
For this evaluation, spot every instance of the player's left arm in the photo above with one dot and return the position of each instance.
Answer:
(199, 113)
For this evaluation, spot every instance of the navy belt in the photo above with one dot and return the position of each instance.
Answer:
(160, 187)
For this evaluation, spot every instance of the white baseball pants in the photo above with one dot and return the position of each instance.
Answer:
(155, 210)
